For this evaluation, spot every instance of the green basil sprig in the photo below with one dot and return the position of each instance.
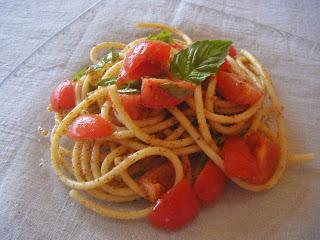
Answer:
(200, 60)
(164, 36)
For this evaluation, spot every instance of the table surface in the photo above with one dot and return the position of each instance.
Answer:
(26, 27)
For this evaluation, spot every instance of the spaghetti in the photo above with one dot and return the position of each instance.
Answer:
(112, 168)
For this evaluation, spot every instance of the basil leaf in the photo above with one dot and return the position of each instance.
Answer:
(164, 36)
(112, 56)
(131, 87)
(79, 74)
(99, 65)
(200, 60)
(107, 82)
(176, 91)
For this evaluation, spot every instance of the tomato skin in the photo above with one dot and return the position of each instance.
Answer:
(232, 53)
(236, 90)
(175, 208)
(210, 183)
(238, 160)
(63, 97)
(133, 106)
(148, 58)
(89, 127)
(153, 96)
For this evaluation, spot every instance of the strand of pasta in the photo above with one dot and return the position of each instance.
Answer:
(95, 49)
(107, 212)
(301, 157)
(202, 121)
(181, 34)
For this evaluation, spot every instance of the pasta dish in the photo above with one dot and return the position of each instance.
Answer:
(170, 121)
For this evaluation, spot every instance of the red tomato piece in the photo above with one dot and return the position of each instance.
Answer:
(253, 160)
(176, 208)
(154, 96)
(232, 53)
(225, 66)
(133, 106)
(156, 181)
(89, 127)
(238, 160)
(148, 58)
(236, 90)
(210, 183)
(267, 154)
(63, 97)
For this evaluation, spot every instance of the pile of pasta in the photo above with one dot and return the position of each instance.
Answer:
(105, 169)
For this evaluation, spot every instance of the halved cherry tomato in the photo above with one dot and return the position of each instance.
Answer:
(154, 96)
(210, 183)
(176, 208)
(238, 160)
(63, 97)
(232, 53)
(254, 160)
(267, 154)
(148, 58)
(236, 90)
(133, 106)
(89, 127)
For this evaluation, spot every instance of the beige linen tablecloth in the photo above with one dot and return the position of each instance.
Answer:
(285, 37)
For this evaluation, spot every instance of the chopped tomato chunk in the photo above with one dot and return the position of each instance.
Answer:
(210, 183)
(155, 95)
(160, 179)
(89, 127)
(238, 159)
(63, 97)
(148, 58)
(266, 152)
(253, 160)
(133, 106)
(236, 90)
(175, 208)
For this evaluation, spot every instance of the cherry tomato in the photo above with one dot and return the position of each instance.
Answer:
(148, 58)
(176, 208)
(133, 106)
(63, 97)
(156, 97)
(238, 160)
(89, 127)
(232, 53)
(236, 90)
(210, 183)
